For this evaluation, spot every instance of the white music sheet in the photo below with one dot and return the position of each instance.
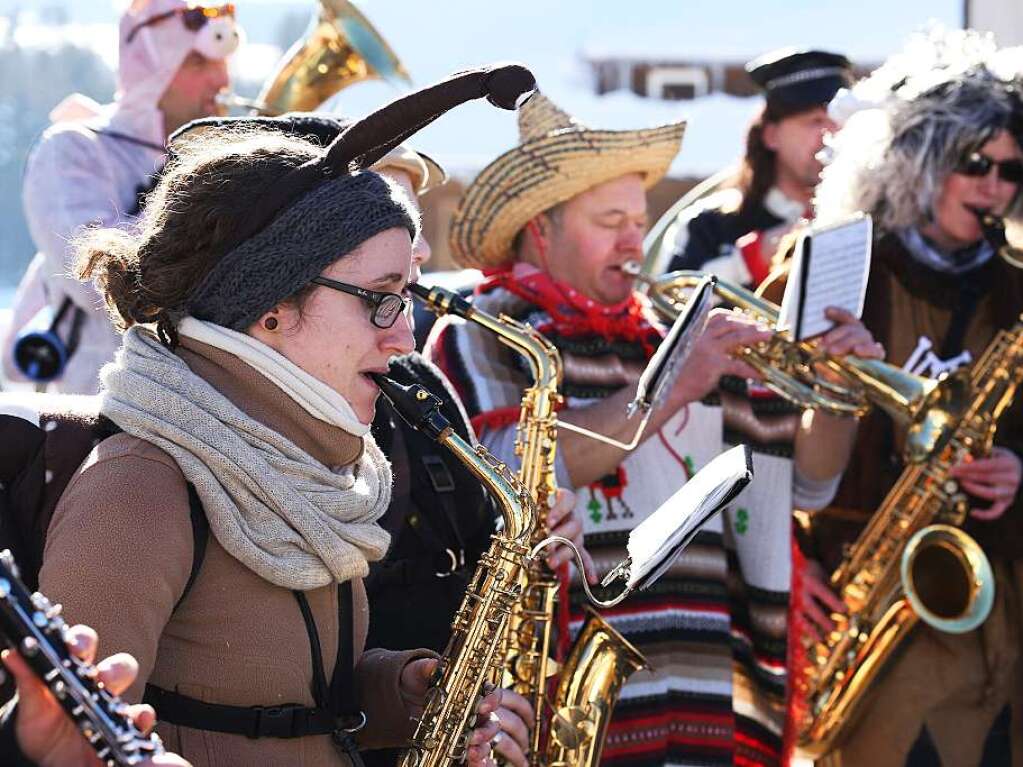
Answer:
(830, 268)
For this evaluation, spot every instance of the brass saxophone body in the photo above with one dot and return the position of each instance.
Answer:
(911, 562)
(601, 659)
(473, 653)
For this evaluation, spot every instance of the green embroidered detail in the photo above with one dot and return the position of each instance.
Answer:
(741, 521)
(594, 507)
(690, 466)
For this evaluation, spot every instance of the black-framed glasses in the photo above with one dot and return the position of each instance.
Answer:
(978, 165)
(194, 17)
(387, 307)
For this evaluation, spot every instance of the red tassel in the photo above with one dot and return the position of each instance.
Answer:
(796, 703)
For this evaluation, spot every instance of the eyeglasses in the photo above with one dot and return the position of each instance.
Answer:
(387, 307)
(194, 17)
(978, 165)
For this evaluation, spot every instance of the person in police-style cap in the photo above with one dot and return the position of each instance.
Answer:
(734, 232)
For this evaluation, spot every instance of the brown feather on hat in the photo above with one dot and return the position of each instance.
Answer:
(556, 159)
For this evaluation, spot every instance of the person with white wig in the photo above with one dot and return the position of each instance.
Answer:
(931, 140)
(91, 165)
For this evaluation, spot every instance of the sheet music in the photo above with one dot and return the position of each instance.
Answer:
(830, 268)
(665, 366)
(656, 542)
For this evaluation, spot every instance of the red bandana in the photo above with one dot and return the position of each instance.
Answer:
(573, 314)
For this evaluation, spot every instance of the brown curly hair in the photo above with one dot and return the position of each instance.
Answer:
(207, 187)
(757, 173)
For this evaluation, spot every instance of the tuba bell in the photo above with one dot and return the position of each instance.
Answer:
(340, 48)
(791, 369)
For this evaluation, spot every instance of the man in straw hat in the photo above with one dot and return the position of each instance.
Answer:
(552, 222)
(91, 165)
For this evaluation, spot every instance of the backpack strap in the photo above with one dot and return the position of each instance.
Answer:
(200, 537)
(288, 721)
(344, 697)
(336, 713)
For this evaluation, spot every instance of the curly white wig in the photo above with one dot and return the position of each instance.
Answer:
(908, 125)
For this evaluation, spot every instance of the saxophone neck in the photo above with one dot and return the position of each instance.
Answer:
(543, 356)
(421, 410)
(993, 227)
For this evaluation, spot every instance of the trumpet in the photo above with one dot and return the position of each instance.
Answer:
(340, 48)
(930, 408)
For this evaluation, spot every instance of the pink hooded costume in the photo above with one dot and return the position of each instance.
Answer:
(88, 168)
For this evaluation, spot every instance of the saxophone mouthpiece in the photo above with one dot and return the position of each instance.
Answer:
(993, 227)
(441, 300)
(416, 405)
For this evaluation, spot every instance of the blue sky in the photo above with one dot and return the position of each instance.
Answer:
(553, 38)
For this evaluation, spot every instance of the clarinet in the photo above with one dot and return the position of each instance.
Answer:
(32, 625)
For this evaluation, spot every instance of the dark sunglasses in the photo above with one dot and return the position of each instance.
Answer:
(387, 307)
(978, 166)
(194, 17)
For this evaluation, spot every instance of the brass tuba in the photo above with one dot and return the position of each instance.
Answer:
(340, 48)
(930, 408)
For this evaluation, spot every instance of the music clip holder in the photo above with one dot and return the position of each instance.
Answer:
(656, 542)
(665, 366)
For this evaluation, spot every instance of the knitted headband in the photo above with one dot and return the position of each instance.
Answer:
(329, 221)
(328, 206)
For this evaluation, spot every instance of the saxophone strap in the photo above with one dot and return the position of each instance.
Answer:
(336, 713)
(433, 496)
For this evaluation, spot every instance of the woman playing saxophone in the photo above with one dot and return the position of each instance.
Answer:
(936, 140)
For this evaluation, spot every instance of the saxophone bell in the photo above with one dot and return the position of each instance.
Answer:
(947, 579)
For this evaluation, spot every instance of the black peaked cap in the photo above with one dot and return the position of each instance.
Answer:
(799, 78)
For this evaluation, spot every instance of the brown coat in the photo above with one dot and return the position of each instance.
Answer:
(905, 301)
(118, 555)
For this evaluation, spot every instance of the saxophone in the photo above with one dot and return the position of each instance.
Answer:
(601, 659)
(472, 655)
(911, 562)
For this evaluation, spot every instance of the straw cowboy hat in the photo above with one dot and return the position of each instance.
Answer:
(557, 158)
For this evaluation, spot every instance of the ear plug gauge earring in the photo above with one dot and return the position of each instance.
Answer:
(270, 323)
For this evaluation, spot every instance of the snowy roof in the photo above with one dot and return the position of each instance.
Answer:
(555, 38)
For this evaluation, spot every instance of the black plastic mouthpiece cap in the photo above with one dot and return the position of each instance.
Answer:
(419, 408)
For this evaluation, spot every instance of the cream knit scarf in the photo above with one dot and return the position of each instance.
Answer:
(271, 505)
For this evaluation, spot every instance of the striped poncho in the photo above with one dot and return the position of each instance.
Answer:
(713, 627)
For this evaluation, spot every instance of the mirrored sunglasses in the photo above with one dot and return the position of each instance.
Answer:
(977, 165)
(195, 17)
